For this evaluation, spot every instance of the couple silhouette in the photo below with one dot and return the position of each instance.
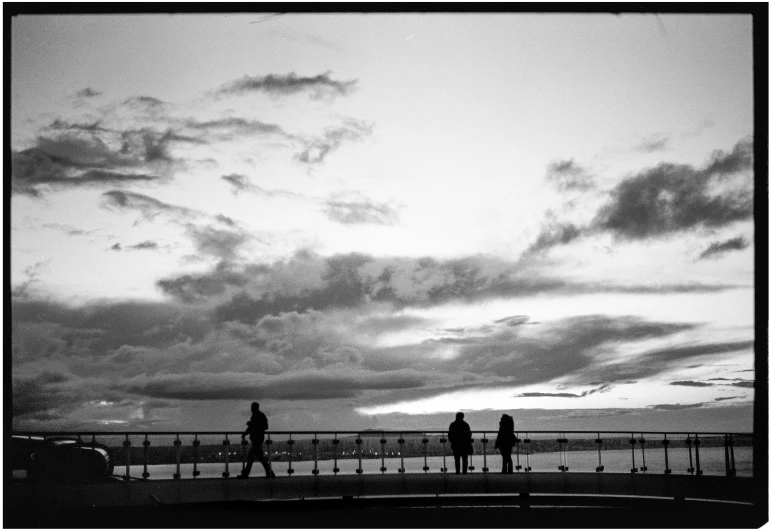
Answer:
(459, 435)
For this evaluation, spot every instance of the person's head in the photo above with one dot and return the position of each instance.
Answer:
(459, 416)
(255, 407)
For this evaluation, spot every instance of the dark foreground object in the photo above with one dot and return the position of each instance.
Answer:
(415, 512)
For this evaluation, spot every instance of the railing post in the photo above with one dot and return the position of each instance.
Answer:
(632, 441)
(335, 443)
(484, 452)
(401, 452)
(425, 454)
(315, 443)
(196, 444)
(178, 446)
(359, 470)
(563, 453)
(146, 444)
(226, 445)
(268, 445)
(727, 462)
(527, 453)
(643, 468)
(443, 440)
(696, 444)
(471, 458)
(665, 443)
(290, 444)
(516, 444)
(382, 452)
(127, 445)
(733, 461)
(688, 443)
(598, 440)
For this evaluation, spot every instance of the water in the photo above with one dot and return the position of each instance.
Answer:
(712, 462)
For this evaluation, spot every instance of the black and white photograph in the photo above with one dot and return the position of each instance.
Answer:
(428, 266)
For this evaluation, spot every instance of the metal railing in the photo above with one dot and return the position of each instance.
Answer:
(188, 455)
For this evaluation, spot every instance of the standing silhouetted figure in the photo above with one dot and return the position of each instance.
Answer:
(460, 441)
(505, 442)
(256, 428)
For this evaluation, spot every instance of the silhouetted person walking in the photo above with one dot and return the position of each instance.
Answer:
(257, 426)
(460, 441)
(505, 442)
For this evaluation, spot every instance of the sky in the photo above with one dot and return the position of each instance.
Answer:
(374, 221)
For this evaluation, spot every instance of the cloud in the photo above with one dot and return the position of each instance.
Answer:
(88, 93)
(514, 320)
(668, 199)
(360, 212)
(23, 290)
(146, 245)
(350, 280)
(41, 394)
(672, 198)
(131, 351)
(718, 248)
(241, 183)
(677, 407)
(320, 86)
(72, 160)
(144, 102)
(62, 125)
(314, 384)
(555, 234)
(194, 288)
(570, 346)
(538, 395)
(212, 241)
(205, 235)
(691, 383)
(315, 150)
(148, 206)
(721, 398)
(749, 384)
(601, 389)
(653, 144)
(656, 361)
(232, 127)
(567, 175)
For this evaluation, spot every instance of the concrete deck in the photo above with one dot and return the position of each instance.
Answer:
(191, 491)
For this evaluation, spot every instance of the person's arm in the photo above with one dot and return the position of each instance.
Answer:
(246, 432)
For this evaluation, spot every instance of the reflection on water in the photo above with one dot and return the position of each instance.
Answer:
(712, 462)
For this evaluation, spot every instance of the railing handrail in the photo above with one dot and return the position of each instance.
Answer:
(374, 432)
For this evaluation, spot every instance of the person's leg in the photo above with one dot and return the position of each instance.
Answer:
(249, 462)
(465, 463)
(503, 461)
(508, 463)
(457, 463)
(265, 464)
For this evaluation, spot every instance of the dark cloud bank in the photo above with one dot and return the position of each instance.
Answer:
(663, 200)
(250, 291)
(303, 329)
